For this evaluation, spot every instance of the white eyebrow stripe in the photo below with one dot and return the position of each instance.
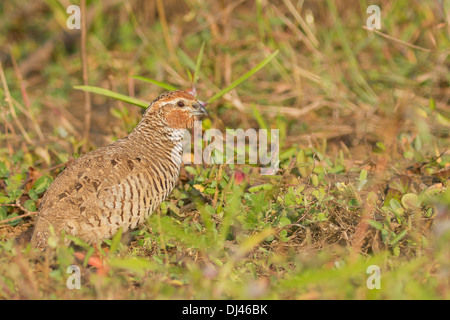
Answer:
(175, 101)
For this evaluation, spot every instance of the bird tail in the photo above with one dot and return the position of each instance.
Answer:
(41, 232)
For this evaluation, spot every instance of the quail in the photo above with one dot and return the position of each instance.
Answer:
(120, 185)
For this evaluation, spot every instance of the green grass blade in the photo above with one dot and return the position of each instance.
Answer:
(116, 241)
(259, 118)
(198, 64)
(185, 59)
(114, 95)
(158, 83)
(242, 78)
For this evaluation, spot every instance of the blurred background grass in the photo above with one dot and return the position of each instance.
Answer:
(364, 131)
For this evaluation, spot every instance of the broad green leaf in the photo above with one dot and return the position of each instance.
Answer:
(42, 184)
(290, 200)
(191, 170)
(411, 201)
(33, 195)
(30, 205)
(265, 186)
(5, 200)
(284, 221)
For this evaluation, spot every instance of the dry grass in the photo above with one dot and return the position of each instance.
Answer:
(364, 124)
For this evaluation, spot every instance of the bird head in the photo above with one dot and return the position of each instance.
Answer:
(177, 109)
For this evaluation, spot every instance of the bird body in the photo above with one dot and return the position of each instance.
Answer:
(120, 185)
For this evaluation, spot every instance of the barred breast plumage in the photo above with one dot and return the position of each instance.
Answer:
(120, 185)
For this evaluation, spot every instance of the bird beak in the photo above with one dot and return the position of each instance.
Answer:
(198, 110)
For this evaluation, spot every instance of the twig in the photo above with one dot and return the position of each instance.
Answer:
(166, 33)
(216, 193)
(8, 126)
(17, 205)
(18, 217)
(310, 35)
(25, 98)
(397, 40)
(87, 96)
(11, 107)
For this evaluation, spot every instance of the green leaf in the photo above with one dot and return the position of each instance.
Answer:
(362, 179)
(290, 199)
(394, 204)
(315, 180)
(3, 170)
(396, 251)
(443, 120)
(30, 205)
(14, 195)
(411, 201)
(13, 222)
(363, 175)
(135, 264)
(163, 207)
(114, 95)
(242, 78)
(158, 260)
(42, 184)
(191, 170)
(265, 186)
(377, 225)
(432, 104)
(398, 237)
(158, 83)
(116, 241)
(284, 221)
(5, 200)
(33, 195)
(3, 213)
(381, 146)
(80, 243)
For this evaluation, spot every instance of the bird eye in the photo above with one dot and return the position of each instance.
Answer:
(180, 103)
